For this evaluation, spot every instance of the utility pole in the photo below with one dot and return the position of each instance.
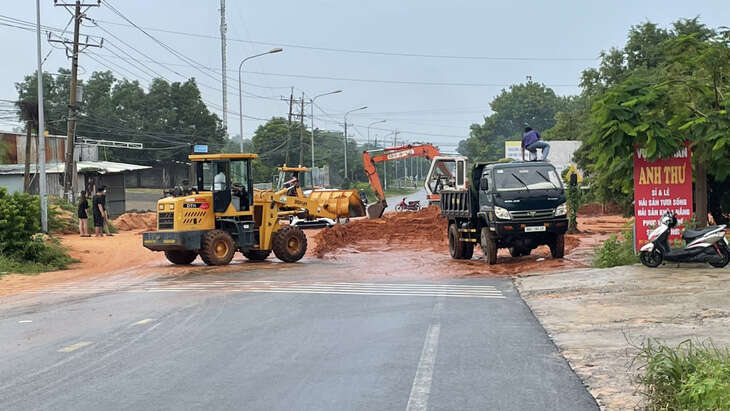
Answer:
(288, 133)
(345, 147)
(41, 148)
(301, 132)
(224, 29)
(69, 181)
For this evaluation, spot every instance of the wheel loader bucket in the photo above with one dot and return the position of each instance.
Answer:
(344, 203)
(376, 209)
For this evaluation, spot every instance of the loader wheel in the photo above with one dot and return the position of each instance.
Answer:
(217, 248)
(489, 247)
(289, 244)
(557, 246)
(256, 255)
(456, 247)
(181, 257)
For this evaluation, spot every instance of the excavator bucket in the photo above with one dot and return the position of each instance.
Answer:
(344, 203)
(376, 209)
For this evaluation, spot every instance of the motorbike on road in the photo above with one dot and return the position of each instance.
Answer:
(408, 205)
(708, 245)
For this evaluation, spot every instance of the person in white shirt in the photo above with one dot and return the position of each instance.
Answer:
(219, 181)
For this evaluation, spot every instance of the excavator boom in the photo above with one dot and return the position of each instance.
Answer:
(426, 151)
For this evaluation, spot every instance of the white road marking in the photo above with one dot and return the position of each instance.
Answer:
(145, 321)
(294, 287)
(421, 388)
(25, 321)
(76, 346)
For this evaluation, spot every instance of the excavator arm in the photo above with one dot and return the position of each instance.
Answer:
(369, 161)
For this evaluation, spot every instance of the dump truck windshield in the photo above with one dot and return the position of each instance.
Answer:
(530, 178)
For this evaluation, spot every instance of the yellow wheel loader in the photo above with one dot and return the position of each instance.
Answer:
(298, 183)
(222, 214)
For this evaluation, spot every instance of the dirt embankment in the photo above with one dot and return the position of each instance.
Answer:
(136, 221)
(424, 229)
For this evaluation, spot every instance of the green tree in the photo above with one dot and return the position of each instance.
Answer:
(529, 103)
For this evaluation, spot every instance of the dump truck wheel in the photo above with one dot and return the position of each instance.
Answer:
(468, 251)
(456, 247)
(256, 255)
(515, 252)
(289, 244)
(489, 247)
(181, 257)
(217, 248)
(557, 246)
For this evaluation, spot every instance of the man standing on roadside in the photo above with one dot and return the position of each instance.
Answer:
(106, 213)
(531, 141)
(97, 209)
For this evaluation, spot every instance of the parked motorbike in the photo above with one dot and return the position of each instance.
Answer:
(708, 245)
(408, 205)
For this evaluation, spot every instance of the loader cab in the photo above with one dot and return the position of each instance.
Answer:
(446, 173)
(290, 177)
(228, 177)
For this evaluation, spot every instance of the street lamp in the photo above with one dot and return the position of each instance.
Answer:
(240, 87)
(375, 122)
(356, 109)
(311, 106)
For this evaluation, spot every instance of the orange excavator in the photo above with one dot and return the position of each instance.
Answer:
(369, 161)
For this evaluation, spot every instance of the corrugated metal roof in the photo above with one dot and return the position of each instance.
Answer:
(102, 167)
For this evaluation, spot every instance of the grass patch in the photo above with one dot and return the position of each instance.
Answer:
(690, 376)
(615, 251)
(37, 256)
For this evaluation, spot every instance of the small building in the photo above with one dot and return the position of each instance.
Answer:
(90, 174)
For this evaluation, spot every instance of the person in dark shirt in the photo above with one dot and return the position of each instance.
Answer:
(531, 141)
(106, 213)
(83, 217)
(98, 209)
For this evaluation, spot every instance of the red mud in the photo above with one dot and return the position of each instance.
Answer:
(136, 221)
(415, 244)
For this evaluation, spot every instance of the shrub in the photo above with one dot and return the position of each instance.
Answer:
(19, 220)
(690, 376)
(616, 251)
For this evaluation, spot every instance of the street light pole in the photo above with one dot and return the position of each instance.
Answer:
(240, 87)
(356, 109)
(311, 106)
(375, 122)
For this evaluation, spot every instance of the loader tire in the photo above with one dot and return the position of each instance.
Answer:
(256, 255)
(181, 257)
(289, 244)
(217, 248)
(456, 247)
(557, 246)
(489, 247)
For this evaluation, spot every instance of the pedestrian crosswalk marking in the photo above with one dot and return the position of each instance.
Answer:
(291, 287)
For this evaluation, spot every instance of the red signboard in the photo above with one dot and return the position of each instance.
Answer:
(661, 185)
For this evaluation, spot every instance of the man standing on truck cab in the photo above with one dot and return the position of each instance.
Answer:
(531, 141)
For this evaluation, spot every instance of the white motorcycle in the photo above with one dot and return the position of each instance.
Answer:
(708, 245)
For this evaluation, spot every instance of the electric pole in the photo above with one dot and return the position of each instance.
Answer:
(224, 29)
(288, 131)
(301, 133)
(41, 148)
(69, 181)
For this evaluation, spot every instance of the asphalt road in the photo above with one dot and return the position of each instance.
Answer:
(273, 339)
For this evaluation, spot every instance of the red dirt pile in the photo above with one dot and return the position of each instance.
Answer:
(426, 228)
(136, 221)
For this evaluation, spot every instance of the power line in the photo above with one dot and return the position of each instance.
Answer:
(369, 52)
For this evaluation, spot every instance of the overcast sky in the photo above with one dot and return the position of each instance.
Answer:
(550, 41)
